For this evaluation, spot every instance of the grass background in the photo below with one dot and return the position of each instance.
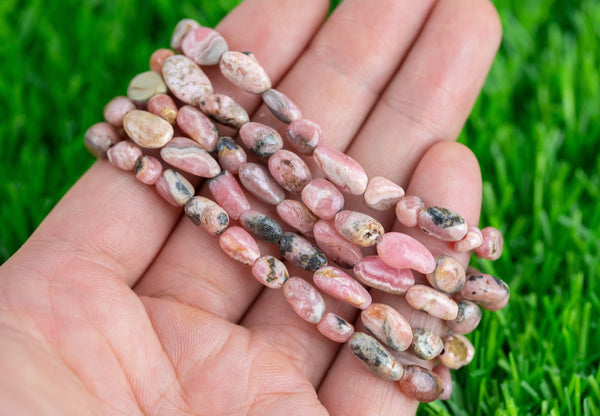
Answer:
(535, 129)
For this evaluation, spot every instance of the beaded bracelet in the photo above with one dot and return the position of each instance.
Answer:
(176, 94)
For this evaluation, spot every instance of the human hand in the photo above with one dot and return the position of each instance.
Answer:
(115, 306)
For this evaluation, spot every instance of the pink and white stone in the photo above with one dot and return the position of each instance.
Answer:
(185, 79)
(144, 86)
(358, 228)
(322, 198)
(426, 344)
(147, 130)
(207, 215)
(382, 194)
(469, 316)
(339, 285)
(402, 251)
(373, 272)
(198, 127)
(183, 27)
(228, 194)
(421, 384)
(305, 135)
(449, 275)
(484, 289)
(188, 156)
(115, 110)
(148, 169)
(429, 300)
(375, 357)
(174, 188)
(281, 106)
(163, 106)
(289, 170)
(408, 209)
(99, 138)
(224, 109)
(257, 180)
(388, 326)
(238, 244)
(337, 248)
(204, 45)
(124, 155)
(306, 301)
(442, 224)
(158, 58)
(491, 245)
(297, 215)
(472, 239)
(301, 252)
(458, 352)
(230, 155)
(270, 272)
(261, 139)
(244, 71)
(335, 328)
(341, 169)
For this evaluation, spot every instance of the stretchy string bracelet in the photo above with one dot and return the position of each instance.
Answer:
(172, 108)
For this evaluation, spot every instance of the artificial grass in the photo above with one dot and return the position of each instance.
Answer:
(534, 130)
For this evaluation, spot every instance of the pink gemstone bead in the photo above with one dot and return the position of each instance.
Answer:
(339, 285)
(472, 239)
(436, 304)
(469, 316)
(183, 27)
(174, 188)
(422, 384)
(238, 244)
(198, 127)
(230, 155)
(426, 344)
(163, 106)
(289, 171)
(301, 252)
(207, 215)
(375, 357)
(498, 305)
(99, 138)
(244, 71)
(341, 169)
(484, 289)
(228, 194)
(185, 79)
(373, 272)
(158, 58)
(224, 110)
(257, 180)
(401, 251)
(449, 275)
(147, 130)
(382, 194)
(336, 247)
(458, 352)
(144, 86)
(335, 328)
(261, 226)
(148, 169)
(388, 326)
(261, 139)
(270, 272)
(297, 215)
(124, 155)
(492, 244)
(306, 301)
(281, 106)
(305, 135)
(358, 228)
(115, 110)
(204, 45)
(188, 156)
(408, 209)
(442, 224)
(322, 198)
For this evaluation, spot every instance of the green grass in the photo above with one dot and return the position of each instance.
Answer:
(535, 130)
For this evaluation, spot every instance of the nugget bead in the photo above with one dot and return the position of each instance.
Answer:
(261, 226)
(261, 139)
(340, 285)
(270, 272)
(341, 169)
(297, 215)
(124, 155)
(408, 209)
(422, 384)
(257, 180)
(163, 106)
(183, 27)
(174, 188)
(436, 304)
(188, 156)
(388, 326)
(115, 110)
(204, 45)
(426, 344)
(223, 109)
(148, 169)
(281, 106)
(335, 328)
(289, 171)
(207, 215)
(147, 130)
(469, 316)
(231, 156)
(358, 228)
(198, 127)
(185, 79)
(306, 301)
(382, 194)
(337, 248)
(404, 252)
(244, 71)
(228, 194)
(449, 275)
(144, 86)
(158, 58)
(305, 135)
(301, 252)
(472, 239)
(99, 138)
(375, 357)
(373, 272)
(484, 289)
(491, 245)
(322, 198)
(458, 352)
(238, 244)
(442, 223)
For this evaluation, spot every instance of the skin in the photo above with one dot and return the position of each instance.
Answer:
(113, 306)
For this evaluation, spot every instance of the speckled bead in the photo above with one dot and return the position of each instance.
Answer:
(469, 316)
(358, 228)
(124, 155)
(238, 244)
(426, 344)
(289, 171)
(281, 106)
(306, 301)
(163, 106)
(99, 138)
(373, 272)
(198, 127)
(429, 300)
(408, 209)
(174, 188)
(228, 194)
(183, 27)
(144, 86)
(270, 272)
(257, 180)
(188, 156)
(261, 139)
(147, 130)
(382, 194)
(339, 285)
(115, 110)
(297, 215)
(261, 226)
(204, 45)
(305, 135)
(388, 326)
(148, 169)
(337, 248)
(422, 384)
(449, 275)
(301, 252)
(375, 357)
(207, 215)
(322, 198)
(223, 109)
(442, 224)
(341, 169)
(335, 328)
(230, 155)
(484, 289)
(158, 58)
(401, 251)
(491, 245)
(244, 71)
(470, 241)
(458, 352)
(185, 79)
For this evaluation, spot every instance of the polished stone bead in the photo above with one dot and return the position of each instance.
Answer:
(185, 79)
(297, 215)
(174, 188)
(458, 352)
(339, 285)
(198, 127)
(375, 357)
(301, 252)
(469, 316)
(305, 135)
(257, 180)
(373, 272)
(231, 156)
(382, 194)
(429, 300)
(491, 245)
(228, 194)
(238, 244)
(421, 384)
(449, 275)
(148, 169)
(442, 224)
(115, 110)
(306, 301)
(281, 106)
(223, 109)
(183, 27)
(158, 58)
(472, 239)
(388, 326)
(289, 170)
(322, 198)
(144, 86)
(261, 226)
(335, 328)
(341, 169)
(401, 251)
(99, 138)
(426, 344)
(147, 130)
(207, 215)
(358, 228)
(261, 139)
(337, 248)
(408, 209)
(244, 71)
(163, 106)
(270, 272)
(204, 45)
(484, 289)
(124, 155)
(188, 156)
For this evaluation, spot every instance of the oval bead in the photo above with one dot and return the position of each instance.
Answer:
(147, 130)
(257, 180)
(124, 155)
(148, 169)
(244, 71)
(207, 215)
(373, 272)
(231, 156)
(339, 285)
(306, 301)
(305, 135)
(484, 289)
(270, 272)
(289, 171)
(182, 28)
(375, 357)
(115, 110)
(491, 245)
(301, 252)
(458, 352)
(261, 139)
(188, 156)
(429, 300)
(382, 194)
(261, 226)
(408, 209)
(99, 138)
(198, 127)
(388, 326)
(358, 228)
(469, 316)
(426, 344)
(335, 328)
(228, 194)
(422, 384)
(239, 245)
(204, 45)
(472, 239)
(223, 109)
(404, 252)
(322, 198)
(341, 169)
(442, 224)
(281, 106)
(158, 58)
(297, 215)
(144, 86)
(449, 275)
(337, 248)
(185, 79)
(163, 106)
(174, 188)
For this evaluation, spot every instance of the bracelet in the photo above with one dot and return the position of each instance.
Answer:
(174, 108)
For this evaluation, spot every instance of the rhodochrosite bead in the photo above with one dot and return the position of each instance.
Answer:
(261, 139)
(443, 224)
(404, 252)
(436, 304)
(420, 383)
(373, 272)
(144, 86)
(306, 301)
(147, 169)
(174, 188)
(124, 155)
(281, 106)
(408, 209)
(270, 272)
(115, 110)
(491, 245)
(147, 130)
(339, 285)
(163, 106)
(231, 156)
(183, 27)
(472, 239)
(375, 357)
(158, 59)
(204, 45)
(382, 194)
(449, 275)
(185, 79)
(359, 228)
(207, 215)
(301, 252)
(297, 215)
(289, 171)
(322, 198)
(341, 169)
(484, 289)
(257, 180)
(198, 127)
(426, 344)
(99, 138)
(388, 326)
(228, 194)
(244, 71)
(458, 352)
(469, 316)
(224, 110)
(261, 226)
(335, 328)
(188, 156)
(336, 247)
(239, 245)
(305, 135)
